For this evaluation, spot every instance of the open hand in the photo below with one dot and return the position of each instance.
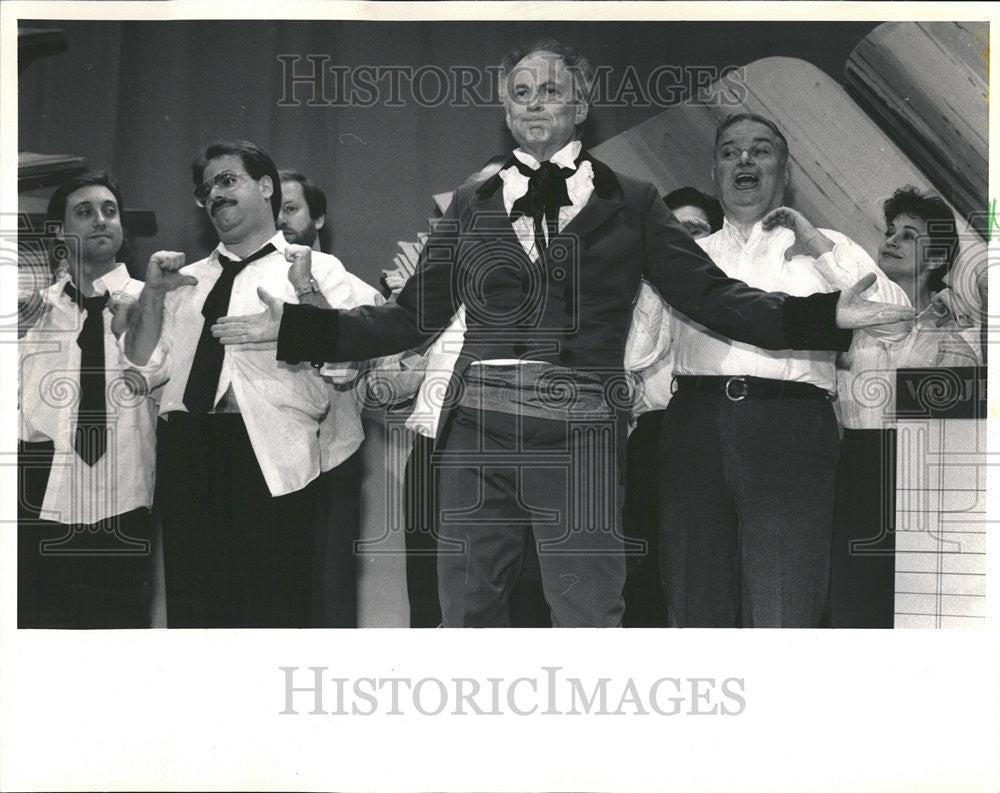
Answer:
(853, 311)
(808, 239)
(253, 331)
(394, 280)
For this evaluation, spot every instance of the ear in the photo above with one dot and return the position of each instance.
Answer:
(507, 118)
(266, 186)
(788, 172)
(319, 222)
(582, 111)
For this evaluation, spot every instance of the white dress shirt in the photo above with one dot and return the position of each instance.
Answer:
(866, 374)
(122, 479)
(760, 262)
(579, 188)
(298, 424)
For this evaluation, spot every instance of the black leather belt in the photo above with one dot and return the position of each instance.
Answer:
(737, 388)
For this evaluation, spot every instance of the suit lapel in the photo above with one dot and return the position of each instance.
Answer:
(486, 219)
(606, 200)
(486, 213)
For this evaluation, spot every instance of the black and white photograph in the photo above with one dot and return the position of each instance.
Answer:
(338, 330)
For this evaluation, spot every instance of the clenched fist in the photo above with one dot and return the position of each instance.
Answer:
(163, 272)
(122, 306)
(300, 258)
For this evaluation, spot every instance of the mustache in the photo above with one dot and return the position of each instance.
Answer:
(219, 202)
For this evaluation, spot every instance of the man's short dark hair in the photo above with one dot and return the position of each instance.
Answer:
(56, 211)
(735, 118)
(689, 196)
(257, 162)
(941, 227)
(576, 64)
(315, 197)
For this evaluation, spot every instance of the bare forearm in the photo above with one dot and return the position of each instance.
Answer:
(145, 326)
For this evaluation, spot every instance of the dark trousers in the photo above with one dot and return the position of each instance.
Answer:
(234, 556)
(527, 605)
(862, 562)
(506, 480)
(645, 606)
(77, 575)
(746, 510)
(335, 569)
(419, 508)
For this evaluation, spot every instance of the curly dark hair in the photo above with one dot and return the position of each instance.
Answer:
(941, 227)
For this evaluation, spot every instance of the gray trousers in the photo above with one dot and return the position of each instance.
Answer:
(506, 478)
(746, 510)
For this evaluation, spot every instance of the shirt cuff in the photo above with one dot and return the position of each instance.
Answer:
(838, 268)
(151, 368)
(810, 323)
(308, 333)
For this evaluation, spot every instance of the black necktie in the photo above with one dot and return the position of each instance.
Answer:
(91, 435)
(203, 380)
(546, 194)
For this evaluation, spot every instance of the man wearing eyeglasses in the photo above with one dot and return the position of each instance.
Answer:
(244, 439)
(547, 256)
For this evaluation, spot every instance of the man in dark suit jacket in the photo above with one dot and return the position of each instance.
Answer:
(547, 257)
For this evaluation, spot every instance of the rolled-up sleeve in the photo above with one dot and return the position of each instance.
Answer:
(156, 370)
(848, 263)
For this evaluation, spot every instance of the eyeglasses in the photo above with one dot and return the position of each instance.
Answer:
(224, 180)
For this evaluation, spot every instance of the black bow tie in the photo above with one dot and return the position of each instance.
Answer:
(546, 191)
(546, 195)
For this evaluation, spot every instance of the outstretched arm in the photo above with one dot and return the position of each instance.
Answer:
(691, 283)
(841, 263)
(306, 333)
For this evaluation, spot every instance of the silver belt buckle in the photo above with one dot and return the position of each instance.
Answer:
(741, 390)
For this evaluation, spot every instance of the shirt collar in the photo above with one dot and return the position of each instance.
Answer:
(730, 229)
(278, 241)
(113, 281)
(564, 158)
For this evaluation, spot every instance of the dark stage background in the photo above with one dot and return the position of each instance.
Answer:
(140, 98)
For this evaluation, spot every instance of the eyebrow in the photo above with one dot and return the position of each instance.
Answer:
(86, 202)
(729, 141)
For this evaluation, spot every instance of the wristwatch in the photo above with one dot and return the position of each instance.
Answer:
(310, 287)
